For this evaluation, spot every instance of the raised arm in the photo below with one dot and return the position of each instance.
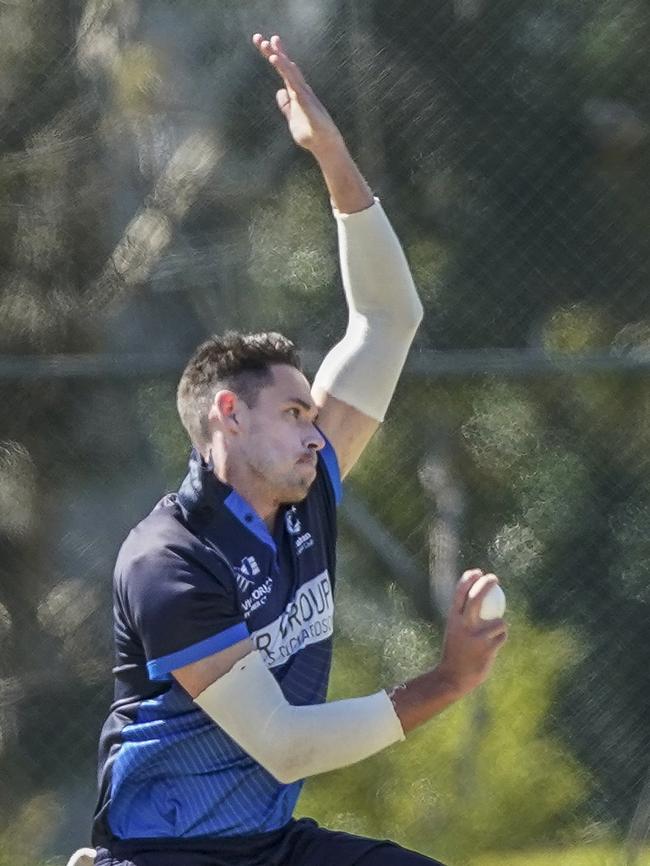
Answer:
(356, 381)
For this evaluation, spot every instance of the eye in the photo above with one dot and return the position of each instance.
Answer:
(295, 412)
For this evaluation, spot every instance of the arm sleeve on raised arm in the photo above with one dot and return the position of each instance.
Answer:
(384, 314)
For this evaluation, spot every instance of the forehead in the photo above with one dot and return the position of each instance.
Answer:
(288, 383)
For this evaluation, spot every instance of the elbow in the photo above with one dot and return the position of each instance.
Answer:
(416, 310)
(417, 314)
(285, 775)
(408, 314)
(284, 766)
(399, 322)
(279, 755)
(409, 318)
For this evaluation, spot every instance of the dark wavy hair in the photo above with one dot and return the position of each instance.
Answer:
(239, 362)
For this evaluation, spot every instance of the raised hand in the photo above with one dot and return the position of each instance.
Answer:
(309, 123)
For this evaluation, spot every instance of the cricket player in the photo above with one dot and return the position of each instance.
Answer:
(224, 593)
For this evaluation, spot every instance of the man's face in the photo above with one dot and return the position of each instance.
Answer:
(278, 439)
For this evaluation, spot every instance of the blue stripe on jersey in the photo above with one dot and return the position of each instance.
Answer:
(160, 669)
(246, 515)
(332, 464)
(177, 774)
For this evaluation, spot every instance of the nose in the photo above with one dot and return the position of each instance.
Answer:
(316, 439)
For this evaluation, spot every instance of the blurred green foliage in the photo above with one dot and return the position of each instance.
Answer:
(578, 855)
(476, 779)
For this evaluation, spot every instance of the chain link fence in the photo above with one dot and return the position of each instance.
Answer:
(151, 195)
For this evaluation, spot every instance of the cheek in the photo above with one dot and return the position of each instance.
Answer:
(273, 446)
(284, 444)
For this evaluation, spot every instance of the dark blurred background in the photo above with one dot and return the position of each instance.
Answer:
(150, 195)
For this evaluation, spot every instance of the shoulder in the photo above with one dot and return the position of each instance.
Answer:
(163, 548)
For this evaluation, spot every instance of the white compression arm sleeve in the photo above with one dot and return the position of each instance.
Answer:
(295, 742)
(384, 309)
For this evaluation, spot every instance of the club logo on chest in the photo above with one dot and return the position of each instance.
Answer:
(294, 527)
(292, 521)
(254, 596)
(245, 572)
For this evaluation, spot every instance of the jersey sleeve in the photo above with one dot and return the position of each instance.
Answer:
(329, 468)
(181, 609)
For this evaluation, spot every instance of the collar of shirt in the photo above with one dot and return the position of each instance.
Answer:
(202, 496)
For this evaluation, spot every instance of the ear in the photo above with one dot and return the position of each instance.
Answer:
(224, 411)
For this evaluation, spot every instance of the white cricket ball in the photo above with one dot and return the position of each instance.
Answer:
(493, 605)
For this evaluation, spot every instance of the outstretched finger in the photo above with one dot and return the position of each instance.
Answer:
(264, 47)
(271, 50)
(278, 48)
(289, 70)
(258, 40)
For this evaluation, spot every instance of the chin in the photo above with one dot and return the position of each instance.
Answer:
(296, 493)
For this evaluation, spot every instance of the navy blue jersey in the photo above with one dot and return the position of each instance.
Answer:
(200, 573)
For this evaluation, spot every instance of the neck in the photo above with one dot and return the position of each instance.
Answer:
(250, 487)
(266, 507)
